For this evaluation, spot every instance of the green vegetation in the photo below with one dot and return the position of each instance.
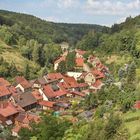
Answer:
(29, 46)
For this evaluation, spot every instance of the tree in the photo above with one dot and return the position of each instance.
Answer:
(91, 101)
(50, 128)
(131, 75)
(70, 61)
(35, 53)
(62, 67)
(13, 70)
(112, 126)
(27, 71)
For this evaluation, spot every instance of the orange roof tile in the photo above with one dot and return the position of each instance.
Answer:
(54, 76)
(79, 62)
(4, 82)
(37, 95)
(8, 109)
(47, 103)
(4, 91)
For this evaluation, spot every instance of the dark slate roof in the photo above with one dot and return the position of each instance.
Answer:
(24, 99)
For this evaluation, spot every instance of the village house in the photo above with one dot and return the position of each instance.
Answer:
(96, 86)
(37, 95)
(8, 112)
(88, 77)
(4, 82)
(64, 46)
(93, 60)
(98, 74)
(61, 106)
(25, 100)
(79, 53)
(46, 105)
(4, 93)
(38, 83)
(74, 74)
(52, 92)
(22, 84)
(53, 78)
(57, 62)
(79, 63)
(23, 120)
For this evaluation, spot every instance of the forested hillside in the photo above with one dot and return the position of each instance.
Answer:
(44, 31)
(32, 39)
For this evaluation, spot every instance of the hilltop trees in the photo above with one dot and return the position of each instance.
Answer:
(70, 61)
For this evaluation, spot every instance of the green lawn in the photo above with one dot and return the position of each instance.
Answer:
(132, 123)
(11, 54)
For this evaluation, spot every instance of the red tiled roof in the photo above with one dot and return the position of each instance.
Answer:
(137, 105)
(78, 93)
(8, 109)
(4, 82)
(79, 62)
(70, 81)
(23, 82)
(97, 83)
(37, 95)
(54, 76)
(98, 74)
(81, 52)
(48, 91)
(47, 103)
(83, 85)
(63, 85)
(60, 93)
(4, 91)
(26, 118)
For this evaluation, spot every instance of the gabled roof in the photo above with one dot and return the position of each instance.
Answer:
(4, 82)
(79, 62)
(47, 103)
(80, 52)
(70, 81)
(4, 91)
(137, 105)
(24, 99)
(48, 91)
(78, 93)
(97, 84)
(82, 85)
(8, 109)
(37, 95)
(23, 82)
(98, 74)
(26, 118)
(54, 76)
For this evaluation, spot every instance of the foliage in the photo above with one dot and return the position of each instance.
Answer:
(50, 128)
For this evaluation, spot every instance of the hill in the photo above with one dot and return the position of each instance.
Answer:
(45, 31)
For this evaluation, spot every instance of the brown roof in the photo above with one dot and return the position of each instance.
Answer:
(70, 81)
(4, 82)
(47, 103)
(50, 93)
(26, 118)
(8, 109)
(54, 76)
(23, 82)
(4, 91)
(37, 95)
(24, 99)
